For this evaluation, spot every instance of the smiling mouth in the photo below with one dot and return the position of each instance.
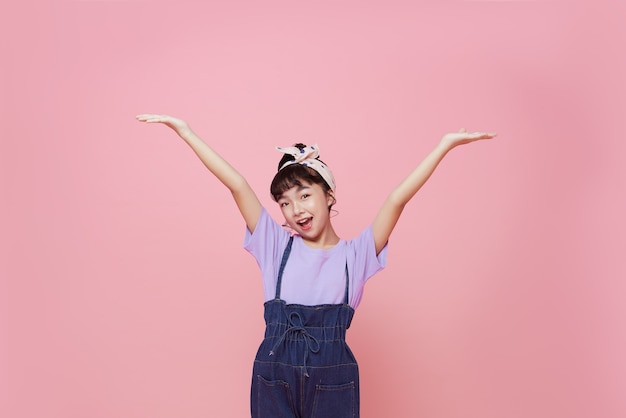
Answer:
(305, 224)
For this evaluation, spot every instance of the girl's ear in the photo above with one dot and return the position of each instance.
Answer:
(330, 198)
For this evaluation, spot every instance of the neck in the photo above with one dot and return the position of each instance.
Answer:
(327, 240)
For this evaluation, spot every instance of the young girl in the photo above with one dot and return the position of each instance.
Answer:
(313, 280)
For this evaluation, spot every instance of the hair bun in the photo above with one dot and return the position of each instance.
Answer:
(287, 157)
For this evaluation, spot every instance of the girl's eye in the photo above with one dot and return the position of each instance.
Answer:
(304, 196)
(283, 204)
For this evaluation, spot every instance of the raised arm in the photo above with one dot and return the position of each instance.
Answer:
(391, 209)
(244, 196)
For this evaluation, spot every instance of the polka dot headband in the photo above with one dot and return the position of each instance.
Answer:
(307, 156)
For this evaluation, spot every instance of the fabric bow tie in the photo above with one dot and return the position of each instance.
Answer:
(307, 156)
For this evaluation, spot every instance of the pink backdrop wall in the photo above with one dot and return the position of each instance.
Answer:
(124, 289)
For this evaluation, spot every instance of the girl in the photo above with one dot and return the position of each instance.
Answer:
(313, 280)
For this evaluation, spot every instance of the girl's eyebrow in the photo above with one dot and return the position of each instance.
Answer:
(300, 188)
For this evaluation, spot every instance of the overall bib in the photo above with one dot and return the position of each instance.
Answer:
(304, 368)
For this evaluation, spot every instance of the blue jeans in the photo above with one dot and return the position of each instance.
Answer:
(304, 368)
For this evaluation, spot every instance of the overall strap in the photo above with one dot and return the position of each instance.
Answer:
(282, 266)
(345, 301)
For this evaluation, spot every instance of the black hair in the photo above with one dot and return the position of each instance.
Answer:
(293, 175)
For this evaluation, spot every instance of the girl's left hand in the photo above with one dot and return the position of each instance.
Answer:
(463, 137)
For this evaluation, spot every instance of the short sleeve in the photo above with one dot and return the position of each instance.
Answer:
(266, 245)
(365, 263)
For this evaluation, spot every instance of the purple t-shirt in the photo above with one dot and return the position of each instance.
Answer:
(313, 276)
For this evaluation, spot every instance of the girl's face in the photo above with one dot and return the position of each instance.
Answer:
(305, 209)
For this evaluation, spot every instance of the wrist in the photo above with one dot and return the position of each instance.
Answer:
(445, 145)
(185, 132)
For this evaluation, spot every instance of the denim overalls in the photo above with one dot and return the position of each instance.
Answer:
(304, 368)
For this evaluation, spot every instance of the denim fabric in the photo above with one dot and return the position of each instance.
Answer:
(304, 368)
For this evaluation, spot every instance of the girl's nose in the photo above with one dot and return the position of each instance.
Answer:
(297, 208)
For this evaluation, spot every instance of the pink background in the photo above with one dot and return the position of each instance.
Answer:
(124, 289)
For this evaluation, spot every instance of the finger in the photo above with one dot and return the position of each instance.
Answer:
(149, 116)
(145, 117)
(153, 118)
(484, 133)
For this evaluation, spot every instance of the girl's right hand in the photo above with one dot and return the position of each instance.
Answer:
(178, 125)
(247, 201)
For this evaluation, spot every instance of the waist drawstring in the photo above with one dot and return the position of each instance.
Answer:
(297, 327)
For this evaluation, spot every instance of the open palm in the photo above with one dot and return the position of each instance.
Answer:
(176, 124)
(463, 137)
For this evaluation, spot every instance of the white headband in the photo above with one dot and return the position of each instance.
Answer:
(307, 156)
